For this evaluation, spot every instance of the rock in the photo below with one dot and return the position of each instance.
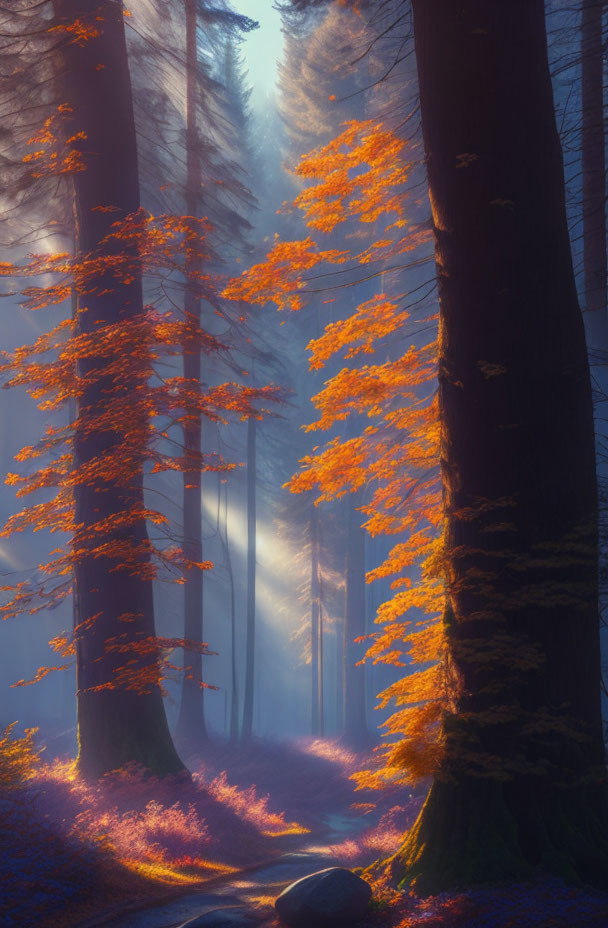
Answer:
(327, 899)
(223, 918)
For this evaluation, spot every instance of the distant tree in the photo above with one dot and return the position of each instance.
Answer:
(248, 696)
(317, 721)
(323, 83)
(225, 540)
(215, 144)
(394, 458)
(355, 626)
(192, 716)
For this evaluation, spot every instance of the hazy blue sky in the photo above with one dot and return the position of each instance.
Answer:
(261, 48)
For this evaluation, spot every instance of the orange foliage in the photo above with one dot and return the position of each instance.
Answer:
(18, 757)
(280, 277)
(359, 177)
(248, 805)
(55, 154)
(118, 363)
(79, 30)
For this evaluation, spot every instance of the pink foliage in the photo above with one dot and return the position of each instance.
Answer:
(380, 839)
(332, 750)
(171, 835)
(253, 808)
(156, 827)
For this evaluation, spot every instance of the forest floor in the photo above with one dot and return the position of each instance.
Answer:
(135, 852)
(72, 852)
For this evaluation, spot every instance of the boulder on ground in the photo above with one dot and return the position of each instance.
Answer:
(328, 899)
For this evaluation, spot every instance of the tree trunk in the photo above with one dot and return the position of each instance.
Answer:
(191, 721)
(339, 672)
(315, 606)
(247, 726)
(115, 726)
(321, 691)
(522, 784)
(234, 687)
(355, 723)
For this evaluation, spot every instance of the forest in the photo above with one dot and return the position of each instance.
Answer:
(304, 464)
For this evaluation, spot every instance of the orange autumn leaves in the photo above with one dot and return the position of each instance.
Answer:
(111, 375)
(356, 177)
(359, 179)
(52, 153)
(281, 276)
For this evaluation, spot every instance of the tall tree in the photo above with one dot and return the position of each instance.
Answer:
(316, 628)
(191, 721)
(522, 779)
(248, 695)
(355, 725)
(323, 84)
(114, 726)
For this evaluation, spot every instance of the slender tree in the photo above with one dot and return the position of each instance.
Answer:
(323, 84)
(355, 725)
(316, 632)
(248, 696)
(234, 684)
(191, 721)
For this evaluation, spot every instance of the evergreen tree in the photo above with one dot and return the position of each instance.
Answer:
(114, 726)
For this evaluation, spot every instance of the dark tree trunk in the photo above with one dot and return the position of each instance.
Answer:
(115, 727)
(523, 781)
(191, 721)
(355, 723)
(594, 173)
(247, 726)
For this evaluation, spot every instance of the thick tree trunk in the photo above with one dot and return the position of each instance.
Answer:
(247, 726)
(523, 781)
(355, 723)
(115, 726)
(191, 721)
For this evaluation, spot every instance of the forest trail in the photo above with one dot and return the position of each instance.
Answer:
(243, 900)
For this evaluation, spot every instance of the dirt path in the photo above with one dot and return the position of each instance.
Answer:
(240, 902)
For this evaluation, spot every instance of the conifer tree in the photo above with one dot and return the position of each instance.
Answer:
(114, 726)
(192, 715)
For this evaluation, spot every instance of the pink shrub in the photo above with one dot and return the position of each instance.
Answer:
(333, 751)
(379, 840)
(253, 808)
(172, 835)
